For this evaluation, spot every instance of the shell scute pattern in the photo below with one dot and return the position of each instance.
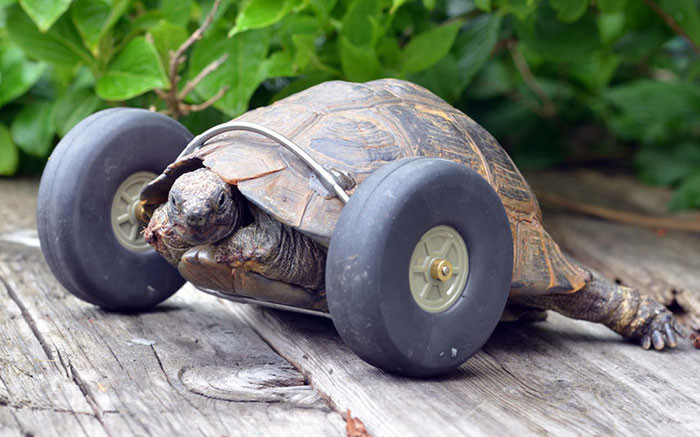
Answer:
(359, 127)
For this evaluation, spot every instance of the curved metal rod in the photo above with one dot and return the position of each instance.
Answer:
(323, 175)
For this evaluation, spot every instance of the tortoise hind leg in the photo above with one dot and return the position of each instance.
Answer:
(622, 309)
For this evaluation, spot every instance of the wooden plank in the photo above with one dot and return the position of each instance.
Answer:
(33, 389)
(187, 365)
(195, 362)
(664, 264)
(18, 200)
(69, 368)
(55, 423)
(559, 377)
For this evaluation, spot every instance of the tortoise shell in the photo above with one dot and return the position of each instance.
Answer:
(356, 128)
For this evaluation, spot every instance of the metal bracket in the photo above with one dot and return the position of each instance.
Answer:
(324, 175)
(264, 303)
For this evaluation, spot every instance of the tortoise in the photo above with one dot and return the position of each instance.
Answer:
(376, 203)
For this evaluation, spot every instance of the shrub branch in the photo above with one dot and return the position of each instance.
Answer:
(174, 99)
(548, 108)
(672, 24)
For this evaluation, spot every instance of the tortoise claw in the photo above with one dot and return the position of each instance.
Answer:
(658, 340)
(658, 326)
(671, 339)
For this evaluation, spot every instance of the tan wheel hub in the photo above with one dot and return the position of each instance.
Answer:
(439, 269)
(126, 209)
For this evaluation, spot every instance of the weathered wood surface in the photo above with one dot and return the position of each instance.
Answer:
(664, 264)
(198, 365)
(188, 367)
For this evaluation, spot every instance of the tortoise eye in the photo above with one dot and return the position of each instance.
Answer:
(175, 205)
(221, 201)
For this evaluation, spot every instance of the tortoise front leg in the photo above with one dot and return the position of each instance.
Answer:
(274, 251)
(624, 310)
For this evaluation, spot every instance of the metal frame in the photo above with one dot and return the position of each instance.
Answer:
(263, 303)
(325, 176)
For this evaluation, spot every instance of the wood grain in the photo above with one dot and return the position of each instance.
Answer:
(189, 366)
(663, 264)
(560, 377)
(133, 373)
(198, 365)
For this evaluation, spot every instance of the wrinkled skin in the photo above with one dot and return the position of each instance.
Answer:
(203, 210)
(635, 316)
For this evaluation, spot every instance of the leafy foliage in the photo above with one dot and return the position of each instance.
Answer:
(556, 81)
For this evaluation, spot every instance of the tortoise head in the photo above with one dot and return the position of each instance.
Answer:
(203, 208)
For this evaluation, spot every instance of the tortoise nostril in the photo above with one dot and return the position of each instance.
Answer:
(196, 220)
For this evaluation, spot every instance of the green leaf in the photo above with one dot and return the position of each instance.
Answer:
(304, 49)
(520, 8)
(61, 45)
(611, 26)
(640, 44)
(427, 48)
(687, 196)
(443, 78)
(299, 24)
(94, 18)
(389, 53)
(430, 4)
(493, 80)
(359, 22)
(33, 129)
(653, 112)
(661, 166)
(242, 73)
(279, 64)
(395, 4)
(45, 12)
(135, 71)
(322, 8)
(176, 11)
(167, 37)
(484, 5)
(595, 72)
(256, 14)
(17, 74)
(551, 39)
(686, 14)
(474, 45)
(72, 107)
(569, 11)
(360, 64)
(611, 6)
(9, 157)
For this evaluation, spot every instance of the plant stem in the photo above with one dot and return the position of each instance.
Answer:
(548, 108)
(174, 99)
(672, 24)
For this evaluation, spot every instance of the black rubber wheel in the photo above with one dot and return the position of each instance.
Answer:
(74, 209)
(370, 256)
